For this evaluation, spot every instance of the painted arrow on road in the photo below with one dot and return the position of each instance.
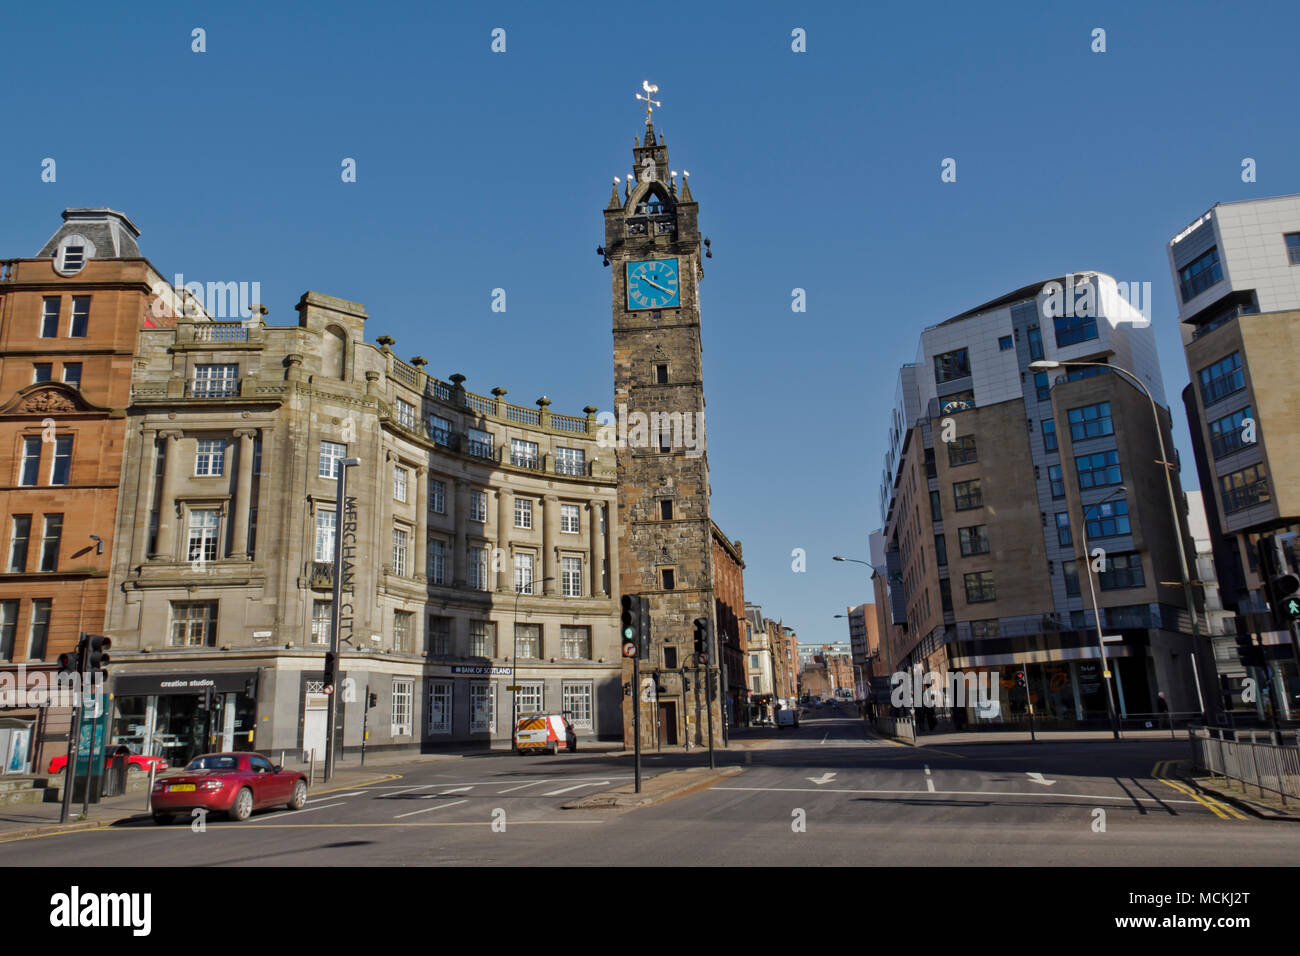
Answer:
(824, 778)
(1038, 778)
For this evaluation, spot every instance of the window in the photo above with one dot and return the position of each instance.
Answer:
(8, 628)
(936, 506)
(331, 459)
(482, 708)
(482, 639)
(1096, 471)
(987, 628)
(1063, 536)
(945, 595)
(437, 496)
(951, 365)
(1226, 434)
(1244, 489)
(50, 317)
(931, 470)
(18, 538)
(1005, 343)
(667, 578)
(439, 429)
(1072, 329)
(974, 540)
(961, 451)
(571, 577)
(438, 640)
(1292, 240)
(194, 625)
(321, 622)
(577, 702)
(80, 316)
(74, 258)
(42, 372)
(1221, 379)
(967, 495)
(211, 457)
(1201, 273)
(979, 587)
(39, 632)
(570, 519)
(1108, 519)
(326, 523)
(50, 538)
(440, 706)
(1122, 571)
(204, 524)
(524, 572)
(403, 691)
(215, 381)
(480, 443)
(402, 632)
(478, 506)
(406, 414)
(941, 549)
(1088, 371)
(661, 374)
(523, 454)
(1070, 570)
(570, 461)
(575, 643)
(1091, 421)
(399, 552)
(523, 512)
(666, 509)
(400, 476)
(1042, 386)
(1035, 343)
(437, 552)
(61, 467)
(72, 374)
(670, 658)
(478, 566)
(1048, 428)
(1057, 480)
(528, 641)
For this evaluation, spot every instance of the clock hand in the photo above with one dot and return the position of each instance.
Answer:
(658, 286)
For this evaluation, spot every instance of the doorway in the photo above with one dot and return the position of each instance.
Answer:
(668, 722)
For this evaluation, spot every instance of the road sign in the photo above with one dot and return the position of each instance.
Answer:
(1112, 638)
(514, 687)
(629, 649)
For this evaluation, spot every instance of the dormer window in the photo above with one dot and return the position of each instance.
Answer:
(70, 258)
(74, 257)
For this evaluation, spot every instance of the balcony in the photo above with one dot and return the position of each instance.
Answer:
(212, 388)
(320, 574)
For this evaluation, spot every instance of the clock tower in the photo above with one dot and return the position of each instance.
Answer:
(652, 244)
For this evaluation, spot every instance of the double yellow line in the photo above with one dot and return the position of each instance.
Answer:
(1217, 807)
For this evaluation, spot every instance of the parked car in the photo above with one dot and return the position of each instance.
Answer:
(232, 783)
(134, 761)
(544, 733)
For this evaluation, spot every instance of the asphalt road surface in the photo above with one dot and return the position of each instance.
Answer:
(823, 794)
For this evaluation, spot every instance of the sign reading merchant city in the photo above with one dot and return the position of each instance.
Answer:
(347, 571)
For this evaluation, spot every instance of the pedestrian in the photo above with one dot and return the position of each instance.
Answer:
(1162, 706)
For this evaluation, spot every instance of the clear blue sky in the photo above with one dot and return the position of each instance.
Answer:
(817, 170)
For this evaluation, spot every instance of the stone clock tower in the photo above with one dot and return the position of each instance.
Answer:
(664, 531)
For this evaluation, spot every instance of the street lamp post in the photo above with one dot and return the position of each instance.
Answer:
(875, 570)
(1096, 612)
(514, 657)
(1167, 465)
(336, 646)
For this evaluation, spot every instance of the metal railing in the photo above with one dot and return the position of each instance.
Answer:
(1262, 764)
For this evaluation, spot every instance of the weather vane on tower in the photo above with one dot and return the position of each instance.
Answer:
(650, 102)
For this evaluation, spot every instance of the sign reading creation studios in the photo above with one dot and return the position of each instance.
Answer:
(146, 685)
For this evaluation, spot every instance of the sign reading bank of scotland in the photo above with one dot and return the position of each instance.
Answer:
(482, 670)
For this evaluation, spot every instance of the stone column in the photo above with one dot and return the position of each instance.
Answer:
(422, 524)
(460, 556)
(144, 494)
(611, 546)
(505, 519)
(167, 516)
(550, 525)
(597, 553)
(243, 492)
(385, 511)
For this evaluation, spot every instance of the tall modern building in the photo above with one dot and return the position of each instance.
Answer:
(1236, 273)
(994, 475)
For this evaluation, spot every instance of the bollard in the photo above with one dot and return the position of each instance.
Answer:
(148, 793)
(311, 774)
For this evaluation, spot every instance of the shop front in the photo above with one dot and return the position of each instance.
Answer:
(178, 716)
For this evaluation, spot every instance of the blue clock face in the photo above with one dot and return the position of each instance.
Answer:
(652, 284)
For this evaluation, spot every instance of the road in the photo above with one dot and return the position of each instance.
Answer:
(823, 794)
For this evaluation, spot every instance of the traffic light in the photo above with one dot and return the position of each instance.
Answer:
(645, 628)
(372, 700)
(204, 703)
(67, 664)
(1248, 652)
(1281, 587)
(331, 671)
(703, 639)
(96, 656)
(631, 625)
(1020, 679)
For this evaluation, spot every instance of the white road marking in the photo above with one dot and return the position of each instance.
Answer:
(960, 793)
(458, 789)
(441, 806)
(827, 737)
(556, 793)
(1038, 778)
(408, 790)
(336, 796)
(824, 778)
(929, 781)
(523, 785)
(309, 809)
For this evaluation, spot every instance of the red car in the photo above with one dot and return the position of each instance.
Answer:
(133, 761)
(235, 784)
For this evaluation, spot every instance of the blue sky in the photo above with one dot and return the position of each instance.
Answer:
(817, 170)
